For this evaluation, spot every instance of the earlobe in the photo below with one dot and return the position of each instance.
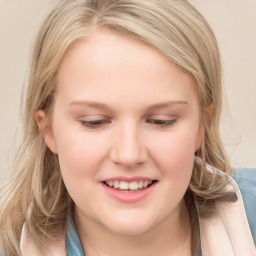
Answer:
(201, 130)
(46, 130)
(199, 138)
(208, 112)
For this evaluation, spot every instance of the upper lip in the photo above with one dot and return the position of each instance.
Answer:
(128, 179)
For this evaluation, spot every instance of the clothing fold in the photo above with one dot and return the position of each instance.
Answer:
(227, 233)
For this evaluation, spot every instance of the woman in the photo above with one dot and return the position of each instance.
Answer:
(122, 153)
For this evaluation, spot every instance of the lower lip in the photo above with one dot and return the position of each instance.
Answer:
(129, 196)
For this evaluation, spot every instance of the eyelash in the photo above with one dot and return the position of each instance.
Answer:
(162, 123)
(94, 124)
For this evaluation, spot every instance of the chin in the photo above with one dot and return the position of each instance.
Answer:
(129, 228)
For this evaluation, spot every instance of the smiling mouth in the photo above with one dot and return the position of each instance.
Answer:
(129, 186)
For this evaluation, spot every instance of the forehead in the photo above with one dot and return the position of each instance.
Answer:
(107, 64)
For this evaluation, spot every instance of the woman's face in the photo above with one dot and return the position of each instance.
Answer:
(124, 117)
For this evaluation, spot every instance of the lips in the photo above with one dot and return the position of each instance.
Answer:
(129, 189)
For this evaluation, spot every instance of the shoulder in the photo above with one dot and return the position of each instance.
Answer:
(246, 181)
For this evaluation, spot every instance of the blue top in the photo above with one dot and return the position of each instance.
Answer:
(246, 180)
(73, 244)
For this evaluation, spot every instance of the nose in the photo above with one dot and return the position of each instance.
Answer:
(128, 147)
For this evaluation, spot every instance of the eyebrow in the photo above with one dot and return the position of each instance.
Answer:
(103, 106)
(167, 104)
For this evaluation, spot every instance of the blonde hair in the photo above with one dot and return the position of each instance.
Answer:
(35, 193)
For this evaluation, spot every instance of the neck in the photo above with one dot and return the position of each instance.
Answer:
(171, 237)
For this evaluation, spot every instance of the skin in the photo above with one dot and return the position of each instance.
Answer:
(125, 78)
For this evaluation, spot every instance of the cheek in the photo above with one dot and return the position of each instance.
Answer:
(80, 154)
(174, 153)
(80, 157)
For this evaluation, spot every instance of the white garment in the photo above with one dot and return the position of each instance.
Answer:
(227, 233)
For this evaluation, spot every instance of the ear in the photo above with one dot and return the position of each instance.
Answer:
(201, 130)
(46, 130)
(208, 113)
(199, 137)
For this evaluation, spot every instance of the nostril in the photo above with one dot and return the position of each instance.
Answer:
(128, 153)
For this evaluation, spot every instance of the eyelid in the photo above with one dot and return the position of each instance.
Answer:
(96, 121)
(93, 121)
(163, 123)
(163, 116)
(94, 124)
(92, 117)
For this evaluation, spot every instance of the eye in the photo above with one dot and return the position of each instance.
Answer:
(162, 123)
(92, 124)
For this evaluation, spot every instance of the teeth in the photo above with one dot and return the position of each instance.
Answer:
(145, 184)
(133, 185)
(123, 185)
(140, 184)
(111, 183)
(116, 184)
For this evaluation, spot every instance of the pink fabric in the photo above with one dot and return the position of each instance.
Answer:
(228, 232)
